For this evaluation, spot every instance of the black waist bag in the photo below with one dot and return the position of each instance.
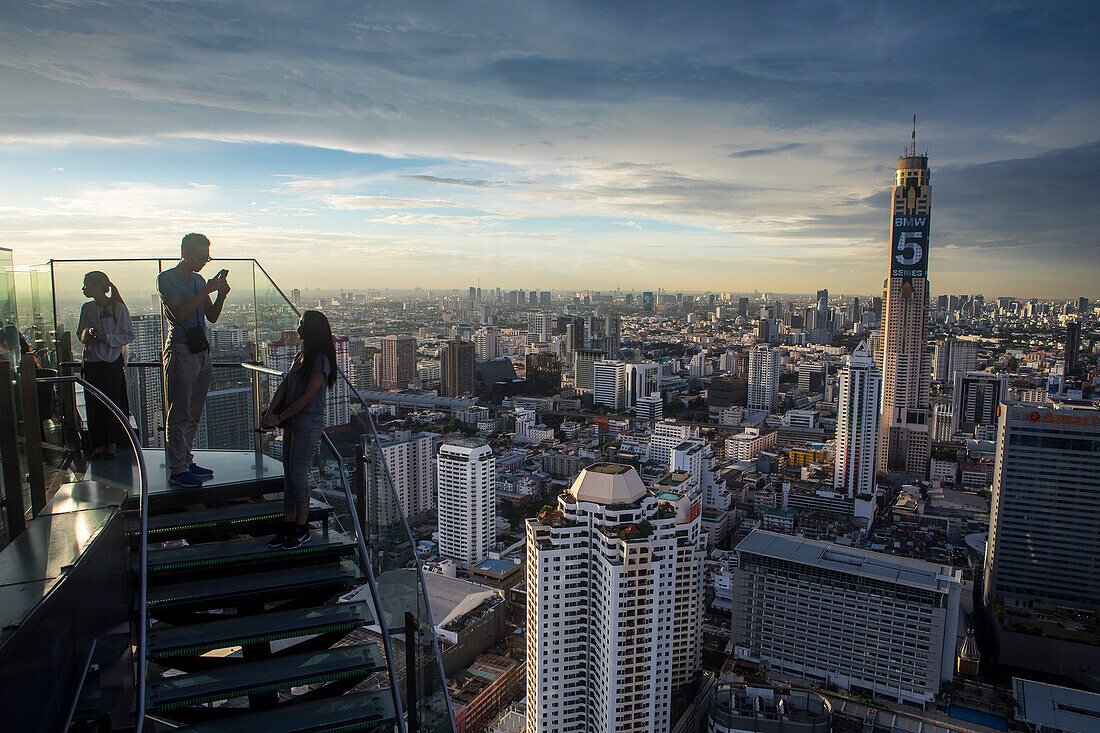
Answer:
(196, 339)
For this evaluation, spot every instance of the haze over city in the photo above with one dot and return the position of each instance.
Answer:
(713, 147)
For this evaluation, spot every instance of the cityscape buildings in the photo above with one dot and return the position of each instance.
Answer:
(609, 385)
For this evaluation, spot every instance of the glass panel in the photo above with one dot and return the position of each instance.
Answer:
(9, 352)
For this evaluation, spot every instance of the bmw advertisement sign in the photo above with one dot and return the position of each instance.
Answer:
(909, 247)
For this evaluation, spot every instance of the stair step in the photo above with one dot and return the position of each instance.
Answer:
(240, 518)
(257, 629)
(355, 712)
(270, 585)
(267, 675)
(246, 550)
(215, 490)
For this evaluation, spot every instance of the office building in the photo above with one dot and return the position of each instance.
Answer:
(1044, 537)
(831, 614)
(609, 385)
(723, 392)
(540, 325)
(543, 374)
(614, 605)
(904, 443)
(974, 400)
(743, 307)
(144, 388)
(859, 390)
(408, 456)
(583, 362)
(811, 377)
(1073, 346)
(642, 380)
(398, 362)
(943, 422)
(466, 487)
(456, 368)
(763, 381)
(649, 408)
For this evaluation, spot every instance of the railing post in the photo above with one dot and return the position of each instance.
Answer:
(412, 710)
(361, 489)
(68, 395)
(257, 411)
(28, 373)
(9, 454)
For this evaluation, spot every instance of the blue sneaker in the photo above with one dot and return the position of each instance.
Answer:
(186, 479)
(199, 472)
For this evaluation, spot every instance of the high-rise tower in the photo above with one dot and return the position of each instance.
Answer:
(905, 442)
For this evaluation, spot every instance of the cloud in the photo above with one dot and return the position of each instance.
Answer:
(756, 152)
(471, 182)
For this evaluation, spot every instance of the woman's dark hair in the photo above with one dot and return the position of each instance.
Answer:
(99, 279)
(317, 341)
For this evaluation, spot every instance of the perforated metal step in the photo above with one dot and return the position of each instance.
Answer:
(269, 585)
(344, 714)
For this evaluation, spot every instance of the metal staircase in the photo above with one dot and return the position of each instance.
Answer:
(244, 637)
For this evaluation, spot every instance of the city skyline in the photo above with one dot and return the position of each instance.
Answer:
(569, 148)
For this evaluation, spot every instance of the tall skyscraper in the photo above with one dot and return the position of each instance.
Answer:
(857, 425)
(466, 486)
(1073, 345)
(609, 384)
(398, 361)
(743, 307)
(614, 605)
(1044, 537)
(904, 443)
(763, 379)
(456, 368)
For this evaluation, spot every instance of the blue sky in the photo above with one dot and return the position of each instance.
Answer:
(717, 146)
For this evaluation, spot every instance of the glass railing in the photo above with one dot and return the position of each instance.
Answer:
(257, 326)
(388, 539)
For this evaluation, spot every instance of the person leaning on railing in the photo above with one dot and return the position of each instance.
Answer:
(187, 363)
(104, 328)
(298, 407)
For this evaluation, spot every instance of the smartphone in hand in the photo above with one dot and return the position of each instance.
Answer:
(222, 274)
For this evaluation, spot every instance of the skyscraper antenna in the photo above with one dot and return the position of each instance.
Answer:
(914, 135)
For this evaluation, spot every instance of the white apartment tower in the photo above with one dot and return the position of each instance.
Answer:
(614, 605)
(763, 383)
(904, 443)
(857, 424)
(408, 456)
(609, 384)
(466, 485)
(540, 325)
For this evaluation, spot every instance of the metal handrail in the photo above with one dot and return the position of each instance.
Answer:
(364, 563)
(158, 364)
(143, 507)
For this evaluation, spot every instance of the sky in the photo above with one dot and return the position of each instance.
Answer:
(725, 146)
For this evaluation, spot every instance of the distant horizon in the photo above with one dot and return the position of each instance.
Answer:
(582, 147)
